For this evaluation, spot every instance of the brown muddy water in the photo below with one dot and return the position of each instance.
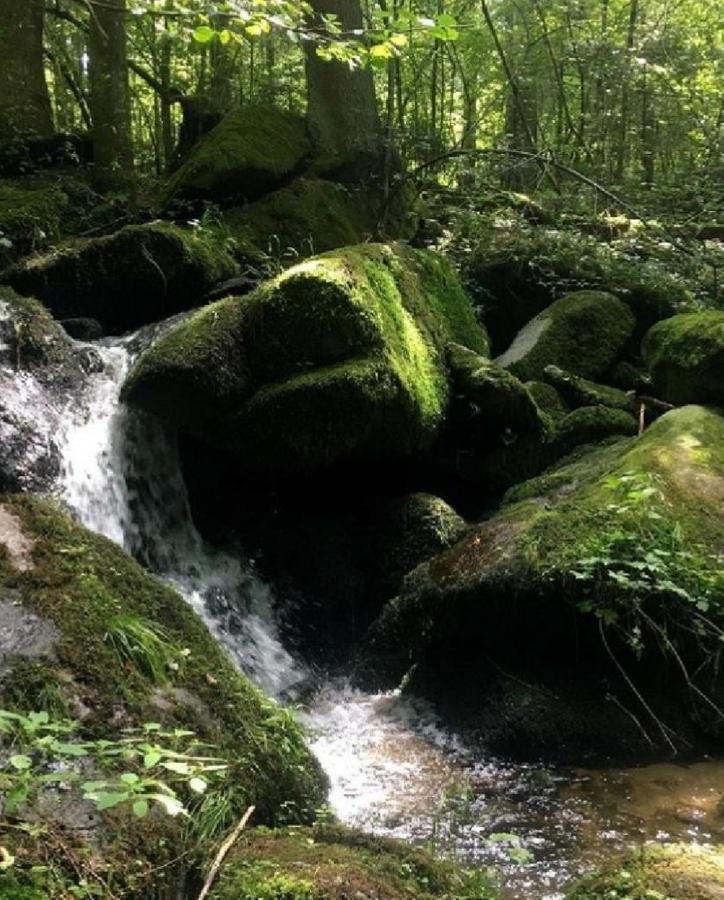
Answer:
(397, 773)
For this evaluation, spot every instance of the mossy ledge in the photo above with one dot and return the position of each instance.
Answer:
(74, 583)
(341, 357)
(336, 863)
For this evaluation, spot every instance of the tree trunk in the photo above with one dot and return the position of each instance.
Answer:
(342, 108)
(24, 100)
(109, 94)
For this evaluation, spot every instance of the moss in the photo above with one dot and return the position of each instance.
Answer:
(30, 215)
(670, 872)
(79, 582)
(13, 888)
(581, 392)
(582, 332)
(335, 863)
(547, 399)
(589, 424)
(513, 275)
(309, 216)
(503, 400)
(339, 357)
(138, 275)
(252, 151)
(510, 587)
(686, 357)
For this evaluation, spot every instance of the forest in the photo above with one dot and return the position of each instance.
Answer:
(361, 449)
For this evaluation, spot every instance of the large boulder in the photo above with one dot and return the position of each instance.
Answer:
(138, 275)
(581, 572)
(336, 863)
(583, 332)
(686, 357)
(252, 151)
(39, 369)
(87, 635)
(340, 358)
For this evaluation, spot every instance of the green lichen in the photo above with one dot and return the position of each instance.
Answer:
(686, 357)
(671, 872)
(335, 863)
(340, 356)
(582, 332)
(250, 152)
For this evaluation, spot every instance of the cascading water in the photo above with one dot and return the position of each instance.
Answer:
(391, 768)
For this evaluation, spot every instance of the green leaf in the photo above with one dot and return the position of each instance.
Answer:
(151, 758)
(130, 778)
(108, 801)
(198, 785)
(140, 808)
(171, 805)
(20, 761)
(204, 34)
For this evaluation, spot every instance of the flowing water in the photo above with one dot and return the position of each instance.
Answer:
(392, 768)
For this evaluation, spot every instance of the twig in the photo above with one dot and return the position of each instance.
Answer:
(223, 850)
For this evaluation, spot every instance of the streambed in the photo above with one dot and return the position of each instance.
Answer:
(393, 769)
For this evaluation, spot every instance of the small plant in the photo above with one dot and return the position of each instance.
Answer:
(143, 646)
(142, 768)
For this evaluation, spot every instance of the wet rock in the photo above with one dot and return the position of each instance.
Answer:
(83, 329)
(592, 424)
(39, 370)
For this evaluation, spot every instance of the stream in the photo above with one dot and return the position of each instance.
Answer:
(393, 769)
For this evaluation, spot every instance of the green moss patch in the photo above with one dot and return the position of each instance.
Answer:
(252, 151)
(582, 332)
(672, 872)
(340, 357)
(334, 863)
(686, 357)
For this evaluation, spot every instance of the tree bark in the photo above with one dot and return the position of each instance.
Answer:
(24, 100)
(110, 100)
(341, 104)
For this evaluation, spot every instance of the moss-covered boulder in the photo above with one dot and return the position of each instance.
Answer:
(686, 357)
(583, 332)
(252, 151)
(591, 424)
(501, 401)
(582, 570)
(334, 863)
(340, 358)
(138, 275)
(668, 872)
(514, 274)
(548, 399)
(89, 636)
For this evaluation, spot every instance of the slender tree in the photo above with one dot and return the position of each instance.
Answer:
(24, 100)
(109, 93)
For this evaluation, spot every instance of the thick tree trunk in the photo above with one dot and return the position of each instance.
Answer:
(24, 100)
(342, 108)
(109, 94)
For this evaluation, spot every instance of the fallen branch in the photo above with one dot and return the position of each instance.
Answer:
(223, 850)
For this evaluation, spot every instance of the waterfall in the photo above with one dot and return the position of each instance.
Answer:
(121, 477)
